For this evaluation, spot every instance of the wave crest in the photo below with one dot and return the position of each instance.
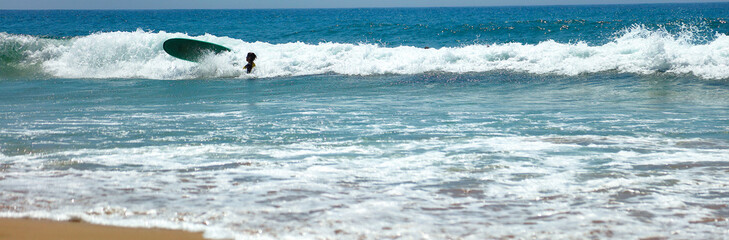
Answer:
(139, 54)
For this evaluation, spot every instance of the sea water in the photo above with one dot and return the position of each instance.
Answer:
(570, 122)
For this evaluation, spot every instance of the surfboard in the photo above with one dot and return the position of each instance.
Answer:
(190, 49)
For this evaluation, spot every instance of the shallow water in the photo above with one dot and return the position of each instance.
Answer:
(420, 156)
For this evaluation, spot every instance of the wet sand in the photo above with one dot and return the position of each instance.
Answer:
(17, 229)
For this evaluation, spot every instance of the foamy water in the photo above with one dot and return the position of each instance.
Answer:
(553, 187)
(427, 156)
(139, 55)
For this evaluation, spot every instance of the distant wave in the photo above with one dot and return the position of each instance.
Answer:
(139, 54)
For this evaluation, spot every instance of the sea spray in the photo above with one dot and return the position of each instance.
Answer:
(139, 54)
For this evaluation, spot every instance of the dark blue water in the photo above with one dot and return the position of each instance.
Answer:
(420, 27)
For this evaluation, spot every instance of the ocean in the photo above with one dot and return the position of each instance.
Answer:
(548, 122)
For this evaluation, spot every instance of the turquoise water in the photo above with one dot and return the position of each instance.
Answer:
(535, 122)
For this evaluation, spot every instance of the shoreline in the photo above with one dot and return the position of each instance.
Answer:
(26, 228)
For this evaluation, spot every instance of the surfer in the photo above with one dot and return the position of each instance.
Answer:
(250, 58)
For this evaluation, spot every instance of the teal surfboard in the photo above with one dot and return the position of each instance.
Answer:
(190, 49)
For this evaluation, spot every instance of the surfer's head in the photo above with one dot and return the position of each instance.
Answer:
(250, 57)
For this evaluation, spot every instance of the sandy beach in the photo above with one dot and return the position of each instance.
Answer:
(18, 229)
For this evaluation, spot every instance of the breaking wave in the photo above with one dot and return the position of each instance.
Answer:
(139, 54)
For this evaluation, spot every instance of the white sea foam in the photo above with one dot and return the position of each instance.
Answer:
(139, 55)
(472, 187)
